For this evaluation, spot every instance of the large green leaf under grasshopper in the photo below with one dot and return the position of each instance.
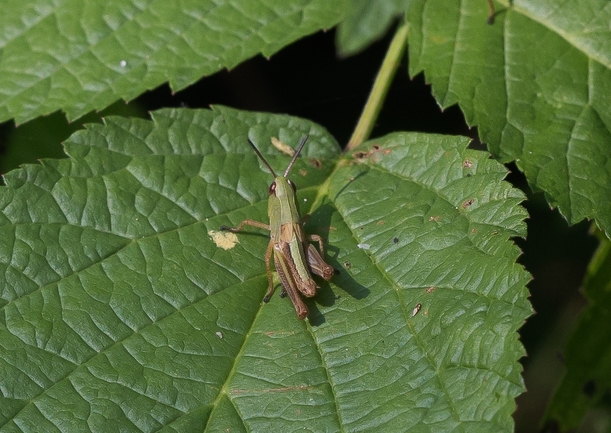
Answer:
(295, 258)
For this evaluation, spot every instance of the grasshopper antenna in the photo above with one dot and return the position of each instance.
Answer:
(297, 152)
(261, 157)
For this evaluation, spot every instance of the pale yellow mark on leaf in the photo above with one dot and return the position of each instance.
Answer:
(224, 240)
(284, 148)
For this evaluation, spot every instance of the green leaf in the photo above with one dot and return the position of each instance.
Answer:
(78, 56)
(119, 312)
(537, 83)
(367, 22)
(588, 352)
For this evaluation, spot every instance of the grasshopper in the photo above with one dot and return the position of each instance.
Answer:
(295, 258)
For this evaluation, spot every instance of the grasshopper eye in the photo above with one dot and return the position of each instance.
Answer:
(272, 189)
(292, 185)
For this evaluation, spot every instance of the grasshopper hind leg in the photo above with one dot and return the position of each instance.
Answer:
(288, 288)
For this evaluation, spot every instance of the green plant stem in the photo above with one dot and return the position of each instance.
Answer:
(380, 88)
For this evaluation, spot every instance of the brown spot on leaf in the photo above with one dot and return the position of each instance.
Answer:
(416, 309)
(315, 162)
(468, 203)
(375, 148)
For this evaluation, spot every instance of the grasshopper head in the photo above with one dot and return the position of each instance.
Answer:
(282, 186)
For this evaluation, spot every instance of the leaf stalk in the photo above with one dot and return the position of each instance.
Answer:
(380, 88)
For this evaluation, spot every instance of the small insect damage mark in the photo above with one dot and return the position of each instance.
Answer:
(374, 150)
(467, 203)
(395, 240)
(315, 162)
(282, 147)
(223, 239)
(435, 218)
(467, 163)
(416, 309)
(431, 289)
(347, 265)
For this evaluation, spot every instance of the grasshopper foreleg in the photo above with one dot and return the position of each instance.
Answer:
(268, 252)
(252, 223)
(268, 269)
